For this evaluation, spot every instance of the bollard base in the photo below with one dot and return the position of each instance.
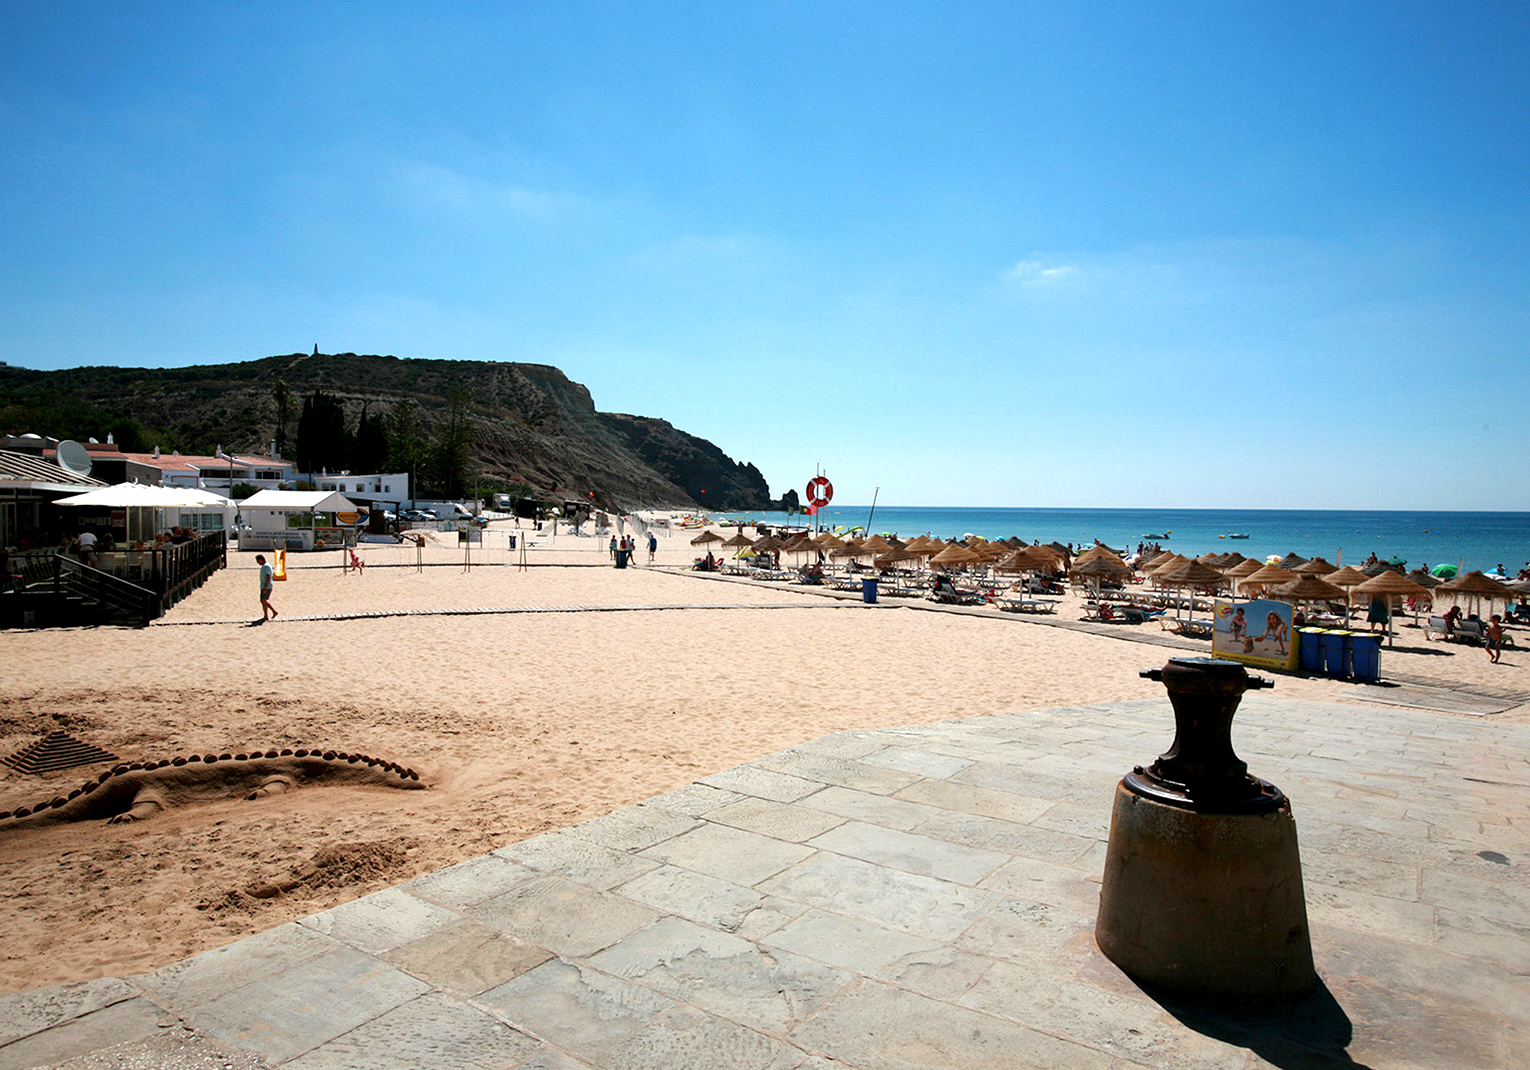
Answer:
(1206, 904)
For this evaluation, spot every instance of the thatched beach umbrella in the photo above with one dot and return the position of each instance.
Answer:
(1098, 553)
(1267, 576)
(1096, 570)
(1026, 561)
(1389, 585)
(1241, 571)
(1193, 574)
(708, 536)
(1147, 564)
(1347, 577)
(1292, 561)
(1104, 567)
(738, 539)
(1307, 589)
(1475, 586)
(1166, 564)
(955, 555)
(1316, 567)
(895, 556)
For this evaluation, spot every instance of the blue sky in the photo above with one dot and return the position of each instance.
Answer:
(1009, 254)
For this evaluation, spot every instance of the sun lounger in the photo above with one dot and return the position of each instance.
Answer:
(1015, 604)
(1191, 629)
(1466, 631)
(946, 591)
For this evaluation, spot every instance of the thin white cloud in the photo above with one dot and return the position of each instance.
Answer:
(1037, 273)
(441, 187)
(701, 251)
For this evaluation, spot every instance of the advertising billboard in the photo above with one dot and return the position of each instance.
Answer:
(1256, 633)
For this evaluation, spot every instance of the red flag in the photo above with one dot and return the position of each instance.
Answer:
(810, 509)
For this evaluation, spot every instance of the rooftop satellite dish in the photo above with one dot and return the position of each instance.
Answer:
(73, 457)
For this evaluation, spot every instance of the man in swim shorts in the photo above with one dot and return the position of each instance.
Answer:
(267, 574)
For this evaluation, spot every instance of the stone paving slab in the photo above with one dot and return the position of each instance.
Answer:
(882, 900)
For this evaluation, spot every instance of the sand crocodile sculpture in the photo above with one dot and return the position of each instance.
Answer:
(137, 790)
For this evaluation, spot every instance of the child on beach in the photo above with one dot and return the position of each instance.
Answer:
(1492, 639)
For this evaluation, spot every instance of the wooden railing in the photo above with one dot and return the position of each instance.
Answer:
(140, 584)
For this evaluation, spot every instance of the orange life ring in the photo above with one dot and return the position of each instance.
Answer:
(819, 491)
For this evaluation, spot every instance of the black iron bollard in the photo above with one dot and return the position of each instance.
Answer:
(1200, 771)
(1202, 891)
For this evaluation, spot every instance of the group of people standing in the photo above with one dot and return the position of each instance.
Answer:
(625, 549)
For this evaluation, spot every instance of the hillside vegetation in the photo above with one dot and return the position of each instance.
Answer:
(457, 424)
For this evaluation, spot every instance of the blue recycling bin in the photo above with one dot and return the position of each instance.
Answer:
(1365, 655)
(1336, 652)
(1311, 648)
(869, 590)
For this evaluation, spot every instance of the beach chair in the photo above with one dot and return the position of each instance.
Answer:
(1190, 629)
(946, 591)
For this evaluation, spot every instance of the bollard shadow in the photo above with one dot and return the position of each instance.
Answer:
(1307, 1034)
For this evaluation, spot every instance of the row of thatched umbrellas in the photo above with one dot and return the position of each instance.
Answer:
(1293, 579)
(887, 552)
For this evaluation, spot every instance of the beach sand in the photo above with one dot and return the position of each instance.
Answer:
(518, 722)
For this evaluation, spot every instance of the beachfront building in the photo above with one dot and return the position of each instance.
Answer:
(223, 472)
(297, 520)
(220, 472)
(27, 483)
(378, 490)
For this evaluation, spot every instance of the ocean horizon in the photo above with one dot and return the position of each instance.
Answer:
(1474, 540)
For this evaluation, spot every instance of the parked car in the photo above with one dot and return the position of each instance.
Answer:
(418, 515)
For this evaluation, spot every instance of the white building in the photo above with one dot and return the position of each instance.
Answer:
(296, 519)
(382, 487)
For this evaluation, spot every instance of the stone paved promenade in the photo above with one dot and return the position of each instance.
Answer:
(916, 897)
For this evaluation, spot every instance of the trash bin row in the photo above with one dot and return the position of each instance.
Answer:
(1339, 652)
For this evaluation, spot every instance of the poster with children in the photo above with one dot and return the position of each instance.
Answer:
(1255, 633)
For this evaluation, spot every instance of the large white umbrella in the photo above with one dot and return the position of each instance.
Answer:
(141, 497)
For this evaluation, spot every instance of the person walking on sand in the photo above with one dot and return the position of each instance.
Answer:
(613, 547)
(1492, 639)
(267, 575)
(653, 546)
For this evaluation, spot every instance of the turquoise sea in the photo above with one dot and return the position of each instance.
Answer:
(1480, 540)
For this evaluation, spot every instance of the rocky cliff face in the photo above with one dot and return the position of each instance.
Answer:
(531, 423)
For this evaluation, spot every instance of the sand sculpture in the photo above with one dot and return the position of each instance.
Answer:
(137, 790)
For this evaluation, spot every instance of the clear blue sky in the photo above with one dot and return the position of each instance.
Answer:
(1054, 254)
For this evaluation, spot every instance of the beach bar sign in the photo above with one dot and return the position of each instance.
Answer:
(1255, 633)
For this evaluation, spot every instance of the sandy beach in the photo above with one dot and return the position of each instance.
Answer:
(623, 684)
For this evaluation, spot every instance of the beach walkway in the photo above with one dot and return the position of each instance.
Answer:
(907, 897)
